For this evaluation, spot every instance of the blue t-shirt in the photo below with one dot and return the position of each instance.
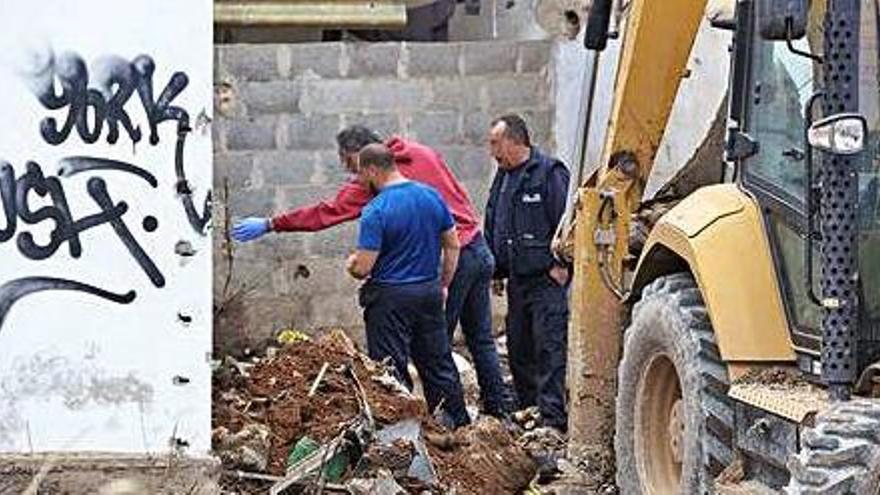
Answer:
(403, 223)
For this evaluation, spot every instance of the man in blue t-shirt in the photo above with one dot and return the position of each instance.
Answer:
(403, 231)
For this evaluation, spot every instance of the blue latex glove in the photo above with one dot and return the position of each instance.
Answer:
(250, 229)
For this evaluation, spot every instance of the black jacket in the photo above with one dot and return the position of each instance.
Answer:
(538, 202)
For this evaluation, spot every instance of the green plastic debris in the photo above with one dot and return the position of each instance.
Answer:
(334, 467)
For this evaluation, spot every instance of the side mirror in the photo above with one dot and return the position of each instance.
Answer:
(722, 14)
(782, 20)
(841, 134)
(598, 21)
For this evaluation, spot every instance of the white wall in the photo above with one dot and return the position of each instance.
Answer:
(573, 66)
(79, 372)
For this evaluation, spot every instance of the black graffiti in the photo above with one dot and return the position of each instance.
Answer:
(12, 291)
(98, 191)
(65, 229)
(73, 165)
(114, 81)
(197, 221)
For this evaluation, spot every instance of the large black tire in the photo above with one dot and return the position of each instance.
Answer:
(670, 324)
(841, 453)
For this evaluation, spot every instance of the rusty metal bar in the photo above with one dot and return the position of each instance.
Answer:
(351, 14)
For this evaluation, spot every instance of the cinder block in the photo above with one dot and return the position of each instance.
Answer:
(452, 156)
(333, 96)
(250, 62)
(540, 123)
(251, 134)
(321, 59)
(312, 132)
(329, 169)
(385, 124)
(517, 91)
(286, 168)
(373, 59)
(534, 56)
(336, 242)
(476, 127)
(394, 95)
(219, 68)
(433, 59)
(461, 94)
(251, 202)
(282, 246)
(218, 133)
(236, 167)
(489, 57)
(297, 196)
(435, 128)
(477, 165)
(271, 97)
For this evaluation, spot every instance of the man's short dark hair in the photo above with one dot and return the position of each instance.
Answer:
(376, 155)
(515, 128)
(353, 138)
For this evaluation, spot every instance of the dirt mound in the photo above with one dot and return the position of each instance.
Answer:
(481, 458)
(263, 408)
(275, 393)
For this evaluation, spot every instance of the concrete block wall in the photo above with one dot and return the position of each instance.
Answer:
(277, 112)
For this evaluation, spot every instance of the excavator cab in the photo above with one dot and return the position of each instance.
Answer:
(748, 331)
(786, 91)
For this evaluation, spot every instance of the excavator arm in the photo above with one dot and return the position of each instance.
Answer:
(658, 40)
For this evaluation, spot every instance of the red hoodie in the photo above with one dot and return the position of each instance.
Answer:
(416, 162)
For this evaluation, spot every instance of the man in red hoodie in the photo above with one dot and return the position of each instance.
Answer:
(468, 297)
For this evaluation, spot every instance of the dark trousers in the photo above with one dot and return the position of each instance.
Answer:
(407, 321)
(537, 336)
(469, 301)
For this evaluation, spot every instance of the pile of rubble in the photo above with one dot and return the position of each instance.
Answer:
(320, 416)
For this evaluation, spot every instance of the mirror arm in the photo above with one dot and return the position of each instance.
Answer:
(796, 51)
(810, 203)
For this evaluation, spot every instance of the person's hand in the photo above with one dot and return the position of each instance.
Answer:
(250, 229)
(498, 287)
(349, 264)
(445, 293)
(559, 274)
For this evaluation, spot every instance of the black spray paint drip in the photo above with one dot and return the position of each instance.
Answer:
(12, 291)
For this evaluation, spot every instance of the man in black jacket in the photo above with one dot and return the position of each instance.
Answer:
(526, 201)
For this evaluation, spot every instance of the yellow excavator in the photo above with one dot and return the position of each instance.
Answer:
(740, 340)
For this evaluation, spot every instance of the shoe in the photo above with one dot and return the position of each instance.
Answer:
(548, 468)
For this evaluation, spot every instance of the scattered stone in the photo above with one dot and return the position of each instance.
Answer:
(246, 449)
(384, 484)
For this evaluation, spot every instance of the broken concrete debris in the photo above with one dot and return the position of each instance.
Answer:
(248, 448)
(318, 415)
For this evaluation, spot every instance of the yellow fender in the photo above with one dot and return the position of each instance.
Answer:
(718, 234)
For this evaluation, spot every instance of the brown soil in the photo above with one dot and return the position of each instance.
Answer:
(278, 388)
(481, 458)
(784, 377)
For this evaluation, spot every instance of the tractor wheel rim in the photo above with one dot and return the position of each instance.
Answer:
(659, 428)
(676, 431)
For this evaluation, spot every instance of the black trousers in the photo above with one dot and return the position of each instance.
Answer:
(537, 344)
(408, 321)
